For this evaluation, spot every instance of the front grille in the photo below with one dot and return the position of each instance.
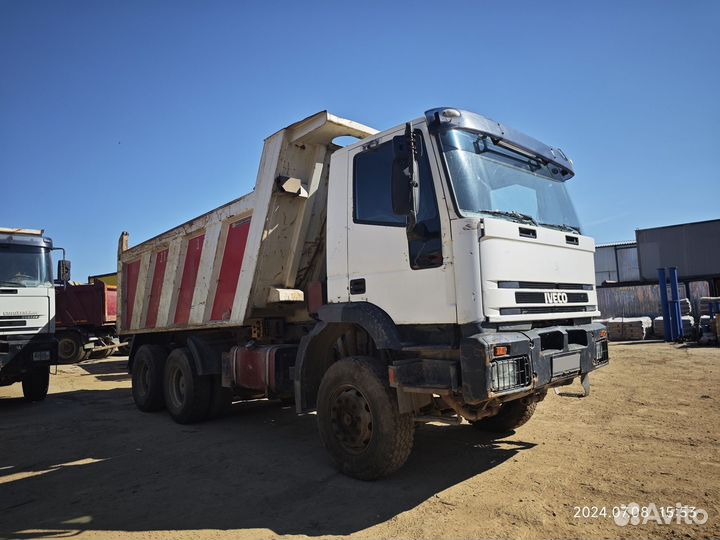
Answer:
(543, 285)
(13, 323)
(539, 298)
(540, 310)
(510, 373)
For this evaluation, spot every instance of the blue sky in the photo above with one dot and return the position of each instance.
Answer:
(138, 115)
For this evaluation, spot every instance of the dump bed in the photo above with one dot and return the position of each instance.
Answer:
(252, 257)
(93, 305)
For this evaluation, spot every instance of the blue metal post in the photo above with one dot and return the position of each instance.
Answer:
(662, 281)
(674, 290)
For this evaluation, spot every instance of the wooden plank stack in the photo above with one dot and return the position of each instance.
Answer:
(706, 302)
(629, 328)
(659, 327)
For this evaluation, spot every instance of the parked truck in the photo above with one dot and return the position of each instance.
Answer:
(432, 272)
(27, 310)
(85, 321)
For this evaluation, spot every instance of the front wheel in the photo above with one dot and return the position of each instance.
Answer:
(512, 415)
(35, 384)
(359, 421)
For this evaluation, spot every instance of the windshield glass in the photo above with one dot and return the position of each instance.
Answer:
(489, 178)
(25, 266)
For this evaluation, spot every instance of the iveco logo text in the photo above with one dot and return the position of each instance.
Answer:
(556, 298)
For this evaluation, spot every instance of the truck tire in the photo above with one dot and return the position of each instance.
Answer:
(187, 395)
(512, 415)
(35, 384)
(148, 372)
(358, 419)
(70, 348)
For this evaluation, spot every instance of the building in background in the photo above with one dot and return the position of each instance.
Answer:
(626, 272)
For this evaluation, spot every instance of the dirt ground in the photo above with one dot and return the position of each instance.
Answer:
(87, 463)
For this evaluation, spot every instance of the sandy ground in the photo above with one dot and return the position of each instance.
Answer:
(86, 463)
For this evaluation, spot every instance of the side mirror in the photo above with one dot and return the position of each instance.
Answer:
(405, 185)
(63, 270)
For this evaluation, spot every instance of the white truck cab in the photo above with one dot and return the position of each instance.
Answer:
(27, 311)
(495, 225)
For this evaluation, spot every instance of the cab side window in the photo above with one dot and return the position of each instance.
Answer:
(372, 171)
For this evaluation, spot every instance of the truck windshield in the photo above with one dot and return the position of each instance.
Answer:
(488, 178)
(25, 266)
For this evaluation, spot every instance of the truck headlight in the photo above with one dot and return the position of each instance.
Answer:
(510, 373)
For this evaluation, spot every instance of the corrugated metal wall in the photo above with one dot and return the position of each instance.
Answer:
(643, 300)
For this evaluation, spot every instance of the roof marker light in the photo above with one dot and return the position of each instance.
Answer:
(451, 113)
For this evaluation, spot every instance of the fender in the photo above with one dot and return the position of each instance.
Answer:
(207, 358)
(373, 319)
(315, 351)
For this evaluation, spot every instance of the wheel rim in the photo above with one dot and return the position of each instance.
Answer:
(67, 348)
(177, 387)
(351, 419)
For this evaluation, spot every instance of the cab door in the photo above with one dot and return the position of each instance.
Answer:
(411, 280)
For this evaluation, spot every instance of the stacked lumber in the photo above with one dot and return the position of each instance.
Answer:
(706, 302)
(659, 327)
(685, 307)
(629, 328)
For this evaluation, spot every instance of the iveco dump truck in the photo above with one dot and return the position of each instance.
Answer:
(27, 310)
(432, 272)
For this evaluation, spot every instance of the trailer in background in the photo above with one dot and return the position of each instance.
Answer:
(85, 321)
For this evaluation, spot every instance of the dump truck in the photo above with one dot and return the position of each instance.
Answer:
(85, 321)
(435, 271)
(28, 346)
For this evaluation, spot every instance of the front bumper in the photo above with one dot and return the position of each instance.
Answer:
(534, 361)
(17, 354)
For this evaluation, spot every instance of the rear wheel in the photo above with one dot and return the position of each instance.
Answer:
(359, 421)
(512, 415)
(70, 348)
(35, 384)
(148, 369)
(187, 395)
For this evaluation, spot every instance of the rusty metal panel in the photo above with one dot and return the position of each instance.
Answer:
(693, 247)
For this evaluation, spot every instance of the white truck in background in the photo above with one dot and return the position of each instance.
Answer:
(434, 271)
(27, 310)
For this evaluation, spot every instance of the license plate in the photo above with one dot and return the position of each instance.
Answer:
(41, 356)
(565, 363)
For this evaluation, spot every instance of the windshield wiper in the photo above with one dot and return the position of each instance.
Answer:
(13, 283)
(518, 216)
(561, 226)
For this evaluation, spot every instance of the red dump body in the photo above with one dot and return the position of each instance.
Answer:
(93, 305)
